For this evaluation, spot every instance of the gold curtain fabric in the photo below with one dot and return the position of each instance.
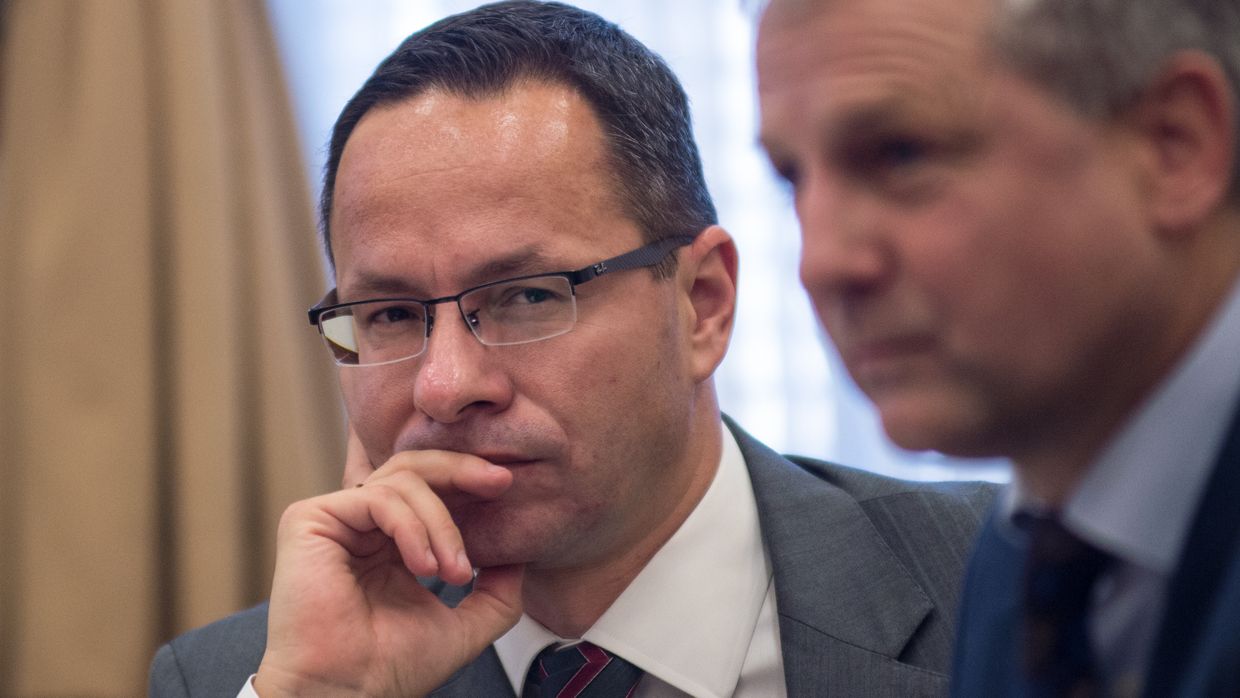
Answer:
(162, 398)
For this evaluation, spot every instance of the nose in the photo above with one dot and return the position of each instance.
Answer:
(844, 249)
(457, 375)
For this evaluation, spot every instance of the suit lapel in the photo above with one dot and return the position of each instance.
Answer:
(987, 658)
(482, 677)
(1213, 543)
(844, 599)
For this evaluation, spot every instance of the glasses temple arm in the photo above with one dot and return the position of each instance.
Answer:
(647, 256)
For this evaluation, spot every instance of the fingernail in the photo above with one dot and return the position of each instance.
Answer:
(462, 560)
(430, 559)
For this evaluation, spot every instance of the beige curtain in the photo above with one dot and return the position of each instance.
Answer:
(162, 397)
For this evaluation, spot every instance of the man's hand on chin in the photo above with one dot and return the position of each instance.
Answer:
(347, 613)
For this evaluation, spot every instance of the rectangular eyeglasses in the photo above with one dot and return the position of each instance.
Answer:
(512, 311)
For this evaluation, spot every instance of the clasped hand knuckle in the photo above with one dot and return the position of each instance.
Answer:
(384, 491)
(295, 512)
(406, 480)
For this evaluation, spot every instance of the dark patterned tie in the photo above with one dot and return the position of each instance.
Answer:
(582, 670)
(1059, 585)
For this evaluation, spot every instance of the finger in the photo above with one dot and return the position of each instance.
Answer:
(444, 538)
(357, 465)
(348, 518)
(448, 472)
(493, 606)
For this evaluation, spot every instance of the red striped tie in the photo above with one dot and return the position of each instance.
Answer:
(582, 670)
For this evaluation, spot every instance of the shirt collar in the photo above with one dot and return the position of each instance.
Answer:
(1161, 458)
(711, 577)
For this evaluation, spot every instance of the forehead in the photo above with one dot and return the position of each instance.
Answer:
(448, 181)
(837, 54)
(853, 29)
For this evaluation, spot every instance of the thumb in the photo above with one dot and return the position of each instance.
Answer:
(494, 605)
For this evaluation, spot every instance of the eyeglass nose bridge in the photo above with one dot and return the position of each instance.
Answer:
(472, 324)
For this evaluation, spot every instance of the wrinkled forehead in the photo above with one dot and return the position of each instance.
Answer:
(830, 48)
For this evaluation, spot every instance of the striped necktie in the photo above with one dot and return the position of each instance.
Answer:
(1059, 583)
(582, 670)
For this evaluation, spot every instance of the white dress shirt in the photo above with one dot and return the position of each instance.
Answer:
(700, 617)
(1137, 499)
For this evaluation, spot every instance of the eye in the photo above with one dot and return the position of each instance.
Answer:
(529, 295)
(905, 151)
(786, 173)
(533, 295)
(900, 163)
(392, 314)
(900, 152)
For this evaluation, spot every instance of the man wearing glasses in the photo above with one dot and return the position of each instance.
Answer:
(531, 298)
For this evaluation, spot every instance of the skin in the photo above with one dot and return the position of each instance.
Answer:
(557, 467)
(1001, 275)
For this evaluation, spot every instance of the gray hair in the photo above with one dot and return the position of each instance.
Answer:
(1100, 55)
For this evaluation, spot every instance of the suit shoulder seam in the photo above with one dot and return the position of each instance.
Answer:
(176, 660)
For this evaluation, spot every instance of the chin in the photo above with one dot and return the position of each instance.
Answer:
(930, 425)
(500, 536)
(488, 548)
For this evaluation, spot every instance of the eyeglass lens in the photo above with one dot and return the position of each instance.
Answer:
(508, 312)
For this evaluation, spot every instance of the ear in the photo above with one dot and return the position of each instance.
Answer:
(707, 275)
(1187, 116)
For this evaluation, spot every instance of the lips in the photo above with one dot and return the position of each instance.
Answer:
(510, 454)
(884, 359)
(893, 347)
(503, 444)
(507, 460)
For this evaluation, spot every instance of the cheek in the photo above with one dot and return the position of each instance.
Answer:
(1036, 274)
(377, 405)
(615, 391)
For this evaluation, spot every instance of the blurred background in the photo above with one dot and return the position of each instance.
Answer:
(162, 398)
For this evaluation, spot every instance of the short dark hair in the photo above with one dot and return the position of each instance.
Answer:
(640, 104)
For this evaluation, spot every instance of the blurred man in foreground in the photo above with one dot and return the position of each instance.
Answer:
(531, 298)
(1021, 227)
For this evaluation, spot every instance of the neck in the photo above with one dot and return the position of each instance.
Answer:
(568, 600)
(1050, 479)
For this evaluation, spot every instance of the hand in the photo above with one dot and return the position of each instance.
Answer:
(347, 614)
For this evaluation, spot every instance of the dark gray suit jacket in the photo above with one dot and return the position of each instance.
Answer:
(867, 573)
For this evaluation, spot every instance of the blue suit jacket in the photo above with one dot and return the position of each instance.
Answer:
(1197, 649)
(867, 572)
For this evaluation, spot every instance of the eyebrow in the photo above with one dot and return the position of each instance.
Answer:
(529, 260)
(872, 116)
(520, 262)
(892, 112)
